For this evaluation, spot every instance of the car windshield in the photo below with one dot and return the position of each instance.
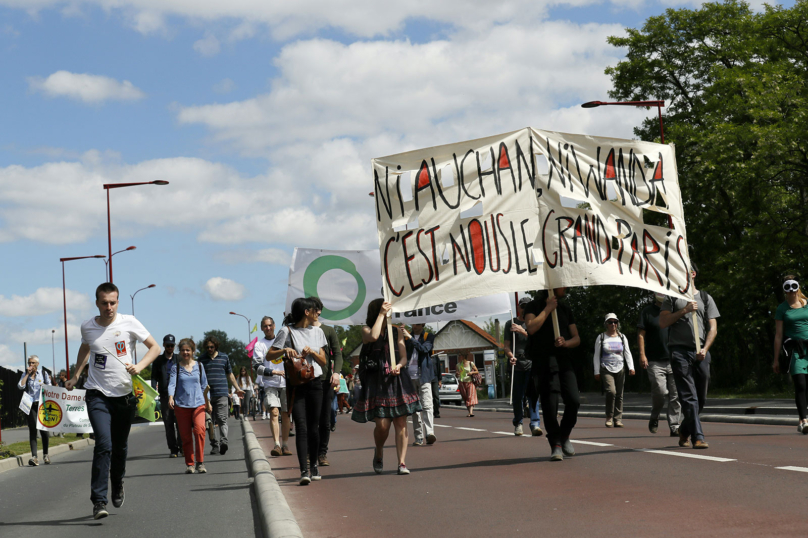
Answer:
(448, 378)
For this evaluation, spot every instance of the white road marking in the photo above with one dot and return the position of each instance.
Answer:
(589, 443)
(685, 455)
(469, 429)
(510, 433)
(799, 469)
(441, 426)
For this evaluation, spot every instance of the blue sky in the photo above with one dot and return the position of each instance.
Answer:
(264, 117)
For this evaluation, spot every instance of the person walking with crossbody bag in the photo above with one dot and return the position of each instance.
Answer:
(303, 344)
(611, 357)
(189, 390)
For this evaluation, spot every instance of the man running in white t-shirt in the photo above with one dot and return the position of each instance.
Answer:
(107, 340)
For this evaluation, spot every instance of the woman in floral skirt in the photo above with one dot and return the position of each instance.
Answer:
(385, 396)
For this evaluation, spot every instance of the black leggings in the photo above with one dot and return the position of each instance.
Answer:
(801, 393)
(308, 401)
(32, 416)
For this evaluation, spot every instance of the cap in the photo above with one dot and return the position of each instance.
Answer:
(169, 339)
(610, 316)
(525, 300)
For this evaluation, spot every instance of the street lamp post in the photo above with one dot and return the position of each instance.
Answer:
(64, 301)
(134, 348)
(248, 324)
(106, 268)
(53, 348)
(657, 103)
(107, 187)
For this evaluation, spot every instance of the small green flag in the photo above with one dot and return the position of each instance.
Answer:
(145, 398)
(254, 328)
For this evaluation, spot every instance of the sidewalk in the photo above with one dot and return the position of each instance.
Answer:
(638, 406)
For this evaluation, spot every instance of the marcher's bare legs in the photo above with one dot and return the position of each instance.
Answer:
(273, 412)
(471, 409)
(402, 438)
(380, 433)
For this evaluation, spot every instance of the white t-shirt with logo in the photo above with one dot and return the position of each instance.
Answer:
(110, 347)
(311, 336)
(260, 351)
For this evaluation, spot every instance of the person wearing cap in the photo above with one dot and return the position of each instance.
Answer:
(516, 340)
(612, 356)
(655, 359)
(691, 370)
(161, 373)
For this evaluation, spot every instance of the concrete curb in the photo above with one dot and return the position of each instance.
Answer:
(277, 519)
(22, 460)
(734, 419)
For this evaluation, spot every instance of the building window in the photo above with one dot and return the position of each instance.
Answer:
(479, 361)
(452, 363)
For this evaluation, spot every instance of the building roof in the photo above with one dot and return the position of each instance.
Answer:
(462, 336)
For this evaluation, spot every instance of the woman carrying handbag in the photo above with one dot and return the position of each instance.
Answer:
(188, 386)
(303, 346)
(466, 369)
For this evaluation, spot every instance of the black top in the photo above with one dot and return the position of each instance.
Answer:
(161, 372)
(542, 342)
(524, 363)
(656, 339)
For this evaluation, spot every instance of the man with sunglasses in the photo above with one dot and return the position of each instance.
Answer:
(161, 368)
(691, 370)
(218, 371)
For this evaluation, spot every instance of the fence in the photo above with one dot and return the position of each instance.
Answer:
(10, 396)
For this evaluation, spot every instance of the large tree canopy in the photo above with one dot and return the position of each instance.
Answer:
(735, 84)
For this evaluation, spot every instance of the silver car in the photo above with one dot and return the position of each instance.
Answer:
(449, 390)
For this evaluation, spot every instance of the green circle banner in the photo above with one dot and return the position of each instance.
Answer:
(323, 264)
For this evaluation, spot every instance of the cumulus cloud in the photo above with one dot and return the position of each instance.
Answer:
(91, 89)
(43, 301)
(224, 289)
(208, 46)
(9, 359)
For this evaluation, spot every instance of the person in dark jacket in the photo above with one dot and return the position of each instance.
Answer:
(421, 372)
(161, 368)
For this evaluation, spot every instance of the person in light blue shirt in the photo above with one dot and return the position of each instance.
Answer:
(189, 400)
(31, 382)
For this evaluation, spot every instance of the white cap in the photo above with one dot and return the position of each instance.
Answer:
(610, 316)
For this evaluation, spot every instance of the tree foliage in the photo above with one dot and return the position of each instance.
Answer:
(735, 84)
(231, 347)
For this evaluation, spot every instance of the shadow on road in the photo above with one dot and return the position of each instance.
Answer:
(86, 521)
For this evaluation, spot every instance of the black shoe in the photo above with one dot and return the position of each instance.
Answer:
(291, 433)
(557, 454)
(436, 415)
(674, 433)
(100, 511)
(333, 427)
(118, 496)
(173, 455)
(653, 425)
(567, 449)
(315, 473)
(305, 479)
(223, 449)
(214, 451)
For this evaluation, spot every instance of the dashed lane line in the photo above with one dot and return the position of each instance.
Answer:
(589, 443)
(790, 468)
(470, 429)
(686, 455)
(442, 426)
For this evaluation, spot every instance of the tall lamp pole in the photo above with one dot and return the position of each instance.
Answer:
(657, 103)
(64, 301)
(106, 267)
(134, 349)
(53, 348)
(107, 187)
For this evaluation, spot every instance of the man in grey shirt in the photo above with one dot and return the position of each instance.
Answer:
(691, 370)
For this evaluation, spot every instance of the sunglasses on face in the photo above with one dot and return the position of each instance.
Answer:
(790, 286)
(611, 322)
(210, 347)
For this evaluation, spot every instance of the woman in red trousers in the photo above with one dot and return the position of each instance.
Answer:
(189, 389)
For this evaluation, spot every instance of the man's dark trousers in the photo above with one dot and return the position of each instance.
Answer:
(111, 419)
(325, 417)
(436, 397)
(557, 382)
(692, 378)
(170, 423)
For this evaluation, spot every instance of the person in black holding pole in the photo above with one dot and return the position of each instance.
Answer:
(161, 372)
(553, 369)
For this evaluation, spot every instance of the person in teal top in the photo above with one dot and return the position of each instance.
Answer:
(791, 337)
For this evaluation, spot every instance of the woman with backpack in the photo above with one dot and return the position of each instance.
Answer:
(303, 345)
(188, 389)
(385, 396)
(612, 355)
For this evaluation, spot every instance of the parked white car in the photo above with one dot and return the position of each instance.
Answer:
(450, 390)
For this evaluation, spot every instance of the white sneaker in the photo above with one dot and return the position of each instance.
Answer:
(800, 427)
(518, 430)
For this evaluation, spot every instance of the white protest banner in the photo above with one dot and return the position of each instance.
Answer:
(529, 209)
(347, 280)
(63, 411)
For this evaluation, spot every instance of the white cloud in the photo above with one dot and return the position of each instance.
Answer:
(208, 46)
(43, 301)
(43, 336)
(224, 86)
(224, 289)
(273, 256)
(9, 359)
(85, 87)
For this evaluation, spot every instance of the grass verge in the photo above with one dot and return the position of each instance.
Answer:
(23, 447)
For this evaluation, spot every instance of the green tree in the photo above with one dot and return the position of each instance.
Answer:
(734, 82)
(231, 347)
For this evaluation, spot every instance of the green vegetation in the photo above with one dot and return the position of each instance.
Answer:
(24, 447)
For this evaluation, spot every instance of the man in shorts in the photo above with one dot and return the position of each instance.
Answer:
(107, 341)
(273, 378)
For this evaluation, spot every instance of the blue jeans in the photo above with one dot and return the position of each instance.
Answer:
(692, 378)
(333, 409)
(111, 419)
(520, 382)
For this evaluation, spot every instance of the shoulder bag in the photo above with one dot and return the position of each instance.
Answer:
(298, 371)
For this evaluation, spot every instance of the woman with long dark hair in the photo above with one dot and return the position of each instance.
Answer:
(300, 339)
(791, 338)
(385, 396)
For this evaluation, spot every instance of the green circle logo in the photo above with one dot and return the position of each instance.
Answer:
(321, 266)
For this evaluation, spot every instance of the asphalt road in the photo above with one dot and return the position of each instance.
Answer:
(480, 480)
(160, 499)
